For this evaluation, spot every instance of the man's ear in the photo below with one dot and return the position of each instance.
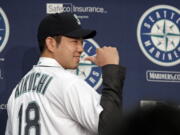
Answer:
(50, 44)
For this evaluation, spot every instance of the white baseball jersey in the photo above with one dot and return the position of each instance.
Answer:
(52, 101)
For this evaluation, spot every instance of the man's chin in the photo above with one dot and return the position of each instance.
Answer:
(74, 66)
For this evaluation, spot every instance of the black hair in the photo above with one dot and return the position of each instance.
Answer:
(42, 42)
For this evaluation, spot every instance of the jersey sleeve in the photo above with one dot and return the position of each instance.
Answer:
(8, 128)
(9, 123)
(82, 103)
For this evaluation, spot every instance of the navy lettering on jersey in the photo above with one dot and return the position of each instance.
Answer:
(34, 82)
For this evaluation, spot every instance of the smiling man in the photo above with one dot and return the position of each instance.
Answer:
(49, 100)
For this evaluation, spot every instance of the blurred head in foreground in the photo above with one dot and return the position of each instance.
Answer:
(152, 120)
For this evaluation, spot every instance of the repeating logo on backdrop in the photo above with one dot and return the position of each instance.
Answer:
(4, 30)
(158, 35)
(88, 70)
(70, 7)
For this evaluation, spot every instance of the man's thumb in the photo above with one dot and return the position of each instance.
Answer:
(91, 58)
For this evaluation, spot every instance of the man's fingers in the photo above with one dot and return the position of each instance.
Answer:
(91, 58)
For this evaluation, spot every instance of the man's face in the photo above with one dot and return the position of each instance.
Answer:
(68, 52)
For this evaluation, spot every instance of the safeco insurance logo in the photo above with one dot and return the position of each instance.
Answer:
(4, 30)
(69, 7)
(158, 35)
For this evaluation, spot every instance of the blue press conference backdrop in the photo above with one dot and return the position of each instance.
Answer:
(146, 33)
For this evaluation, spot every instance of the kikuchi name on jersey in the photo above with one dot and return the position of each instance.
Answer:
(34, 82)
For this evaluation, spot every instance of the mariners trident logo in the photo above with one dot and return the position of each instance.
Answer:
(87, 70)
(4, 30)
(158, 34)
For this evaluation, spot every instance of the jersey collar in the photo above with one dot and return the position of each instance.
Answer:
(48, 62)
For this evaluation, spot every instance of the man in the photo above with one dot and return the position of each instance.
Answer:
(159, 119)
(49, 100)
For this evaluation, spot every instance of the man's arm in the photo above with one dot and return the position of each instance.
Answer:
(9, 123)
(111, 100)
